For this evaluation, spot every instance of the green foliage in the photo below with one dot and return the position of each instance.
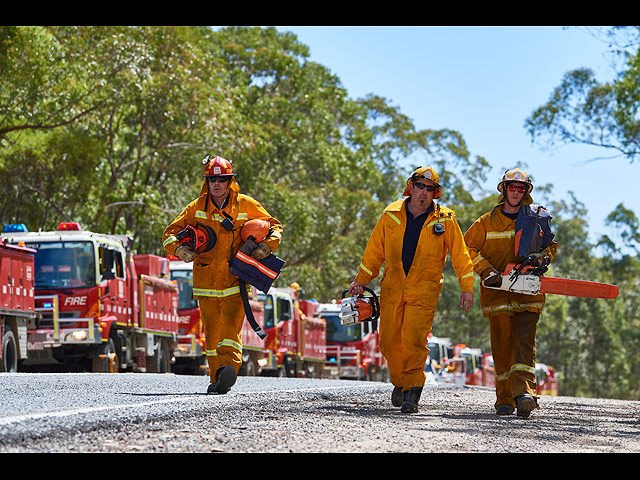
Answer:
(584, 111)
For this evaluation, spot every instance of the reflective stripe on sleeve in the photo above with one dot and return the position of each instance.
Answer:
(477, 259)
(169, 239)
(367, 271)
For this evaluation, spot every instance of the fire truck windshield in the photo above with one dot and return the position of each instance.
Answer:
(64, 265)
(185, 289)
(336, 332)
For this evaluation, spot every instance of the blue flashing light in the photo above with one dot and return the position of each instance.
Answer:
(15, 227)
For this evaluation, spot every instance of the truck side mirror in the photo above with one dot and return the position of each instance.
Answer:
(106, 269)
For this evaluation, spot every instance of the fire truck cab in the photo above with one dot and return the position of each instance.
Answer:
(352, 350)
(296, 336)
(102, 308)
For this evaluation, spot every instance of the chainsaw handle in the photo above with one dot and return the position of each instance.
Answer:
(365, 288)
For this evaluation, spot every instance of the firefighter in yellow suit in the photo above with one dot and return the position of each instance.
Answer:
(221, 207)
(512, 317)
(412, 238)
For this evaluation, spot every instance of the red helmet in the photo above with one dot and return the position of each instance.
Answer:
(256, 228)
(217, 166)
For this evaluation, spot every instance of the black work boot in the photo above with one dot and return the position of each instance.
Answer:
(410, 399)
(396, 397)
(504, 410)
(226, 377)
(524, 405)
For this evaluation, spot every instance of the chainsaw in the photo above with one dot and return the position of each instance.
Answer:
(527, 279)
(359, 309)
(199, 239)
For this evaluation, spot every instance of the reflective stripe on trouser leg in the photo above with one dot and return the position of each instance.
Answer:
(502, 350)
(513, 350)
(404, 327)
(222, 323)
(523, 371)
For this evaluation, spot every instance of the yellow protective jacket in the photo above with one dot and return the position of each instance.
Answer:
(211, 272)
(491, 243)
(385, 245)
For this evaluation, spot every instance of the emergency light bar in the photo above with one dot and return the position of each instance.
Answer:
(69, 226)
(15, 227)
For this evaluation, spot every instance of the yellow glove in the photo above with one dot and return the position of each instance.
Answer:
(185, 254)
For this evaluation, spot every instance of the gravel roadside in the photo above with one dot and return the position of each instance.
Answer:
(451, 419)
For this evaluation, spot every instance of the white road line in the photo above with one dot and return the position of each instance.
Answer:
(80, 411)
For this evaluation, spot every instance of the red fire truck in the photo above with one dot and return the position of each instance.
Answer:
(352, 350)
(547, 383)
(102, 308)
(17, 304)
(296, 335)
(189, 353)
(458, 364)
(461, 365)
(473, 364)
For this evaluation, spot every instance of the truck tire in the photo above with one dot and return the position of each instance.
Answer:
(160, 361)
(289, 366)
(107, 361)
(9, 361)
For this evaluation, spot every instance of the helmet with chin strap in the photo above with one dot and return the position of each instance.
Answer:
(515, 175)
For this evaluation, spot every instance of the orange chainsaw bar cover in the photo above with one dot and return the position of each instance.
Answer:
(577, 288)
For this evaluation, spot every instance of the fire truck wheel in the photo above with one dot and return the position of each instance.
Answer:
(9, 361)
(160, 362)
(107, 360)
(289, 366)
(249, 368)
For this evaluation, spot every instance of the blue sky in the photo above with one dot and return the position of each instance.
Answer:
(484, 82)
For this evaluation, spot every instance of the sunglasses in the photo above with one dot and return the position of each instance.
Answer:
(220, 179)
(518, 188)
(422, 186)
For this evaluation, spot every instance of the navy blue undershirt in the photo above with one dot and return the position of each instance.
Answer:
(412, 235)
(512, 216)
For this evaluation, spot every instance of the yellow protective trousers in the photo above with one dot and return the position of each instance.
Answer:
(405, 323)
(222, 322)
(513, 345)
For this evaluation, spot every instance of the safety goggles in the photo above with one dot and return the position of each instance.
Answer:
(516, 188)
(422, 186)
(220, 179)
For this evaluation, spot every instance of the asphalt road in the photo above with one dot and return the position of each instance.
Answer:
(173, 414)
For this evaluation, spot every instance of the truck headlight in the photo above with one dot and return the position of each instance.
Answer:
(77, 335)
